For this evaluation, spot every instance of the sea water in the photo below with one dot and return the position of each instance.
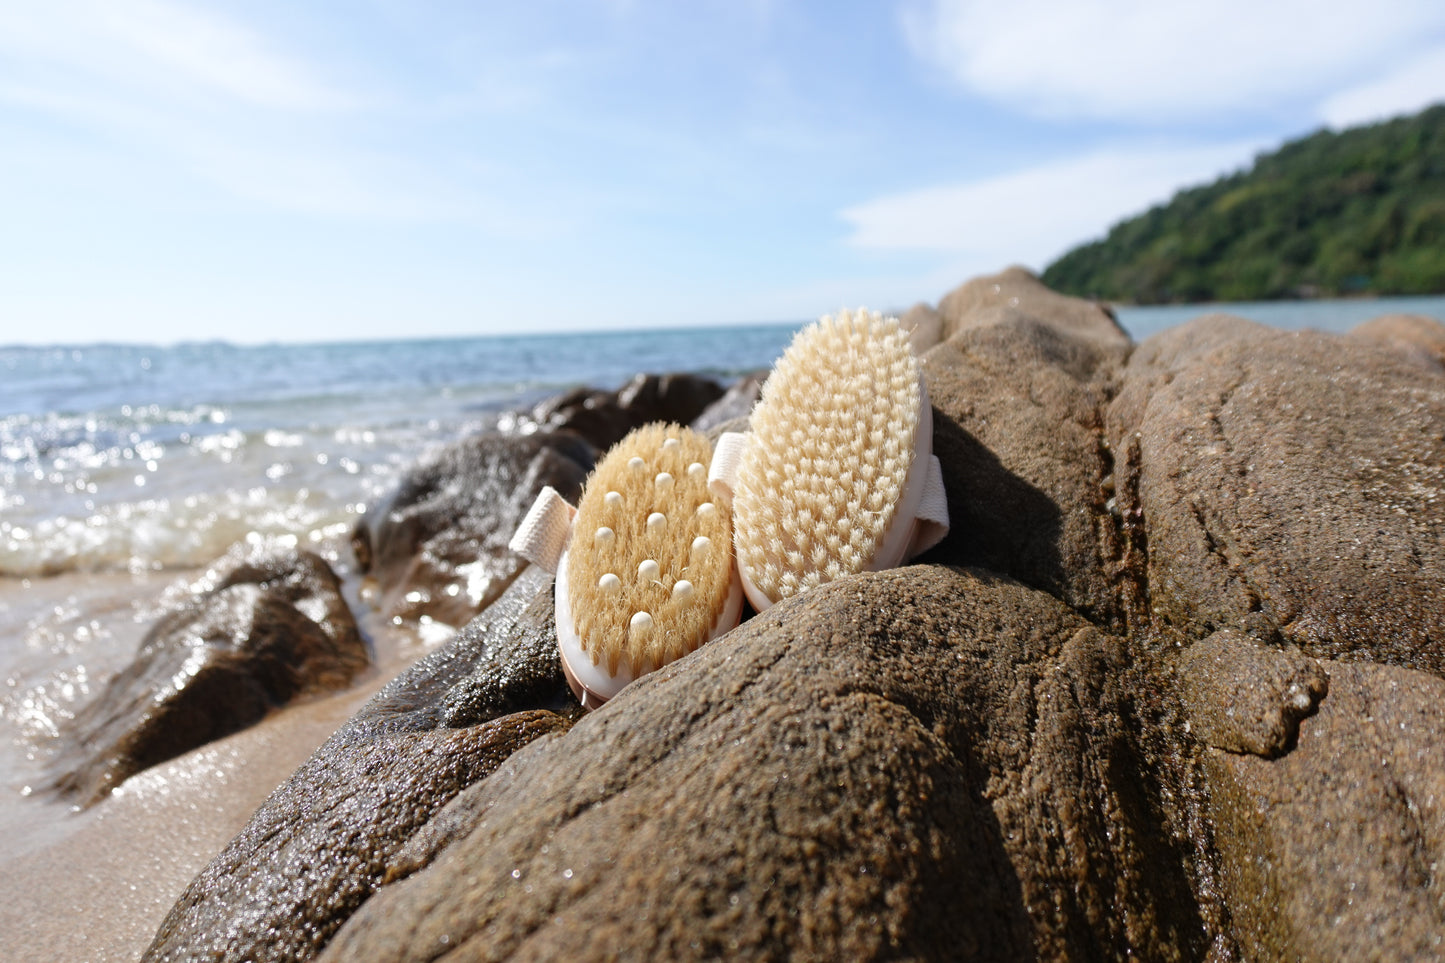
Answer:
(142, 458)
(1337, 316)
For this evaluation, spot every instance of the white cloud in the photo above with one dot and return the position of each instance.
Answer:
(1033, 215)
(1411, 87)
(1164, 60)
(160, 46)
(209, 50)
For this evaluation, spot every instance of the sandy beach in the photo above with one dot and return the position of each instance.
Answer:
(93, 885)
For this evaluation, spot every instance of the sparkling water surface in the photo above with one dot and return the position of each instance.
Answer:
(138, 457)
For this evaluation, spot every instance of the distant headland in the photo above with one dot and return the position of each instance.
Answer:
(1355, 212)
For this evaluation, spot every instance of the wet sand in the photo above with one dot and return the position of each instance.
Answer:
(94, 885)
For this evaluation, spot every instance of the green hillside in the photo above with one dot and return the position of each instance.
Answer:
(1356, 212)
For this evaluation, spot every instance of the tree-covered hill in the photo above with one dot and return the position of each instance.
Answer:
(1361, 211)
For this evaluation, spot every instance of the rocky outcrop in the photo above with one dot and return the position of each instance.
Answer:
(1330, 850)
(1019, 290)
(924, 763)
(924, 326)
(1018, 392)
(321, 843)
(1167, 691)
(1290, 483)
(437, 546)
(258, 631)
(1422, 338)
(737, 402)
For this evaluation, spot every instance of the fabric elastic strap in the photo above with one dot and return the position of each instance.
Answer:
(543, 534)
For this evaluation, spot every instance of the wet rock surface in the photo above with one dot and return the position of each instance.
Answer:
(437, 546)
(1290, 482)
(259, 630)
(1017, 393)
(916, 763)
(1169, 690)
(1333, 851)
(1420, 338)
(1245, 697)
(737, 402)
(320, 844)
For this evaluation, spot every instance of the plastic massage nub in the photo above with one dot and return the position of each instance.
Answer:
(644, 564)
(836, 475)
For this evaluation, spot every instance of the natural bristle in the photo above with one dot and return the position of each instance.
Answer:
(643, 589)
(833, 441)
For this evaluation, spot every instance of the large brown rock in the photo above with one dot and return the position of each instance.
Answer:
(1018, 392)
(1332, 851)
(924, 326)
(1289, 482)
(259, 630)
(1422, 338)
(320, 845)
(437, 546)
(923, 763)
(1020, 290)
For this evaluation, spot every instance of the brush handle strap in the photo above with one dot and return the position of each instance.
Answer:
(727, 459)
(932, 511)
(543, 535)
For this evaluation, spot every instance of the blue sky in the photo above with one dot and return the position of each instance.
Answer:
(289, 171)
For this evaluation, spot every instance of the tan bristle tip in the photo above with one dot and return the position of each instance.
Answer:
(833, 441)
(652, 592)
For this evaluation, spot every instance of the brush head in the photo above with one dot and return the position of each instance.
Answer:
(648, 576)
(832, 473)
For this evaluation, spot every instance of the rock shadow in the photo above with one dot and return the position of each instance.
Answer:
(997, 520)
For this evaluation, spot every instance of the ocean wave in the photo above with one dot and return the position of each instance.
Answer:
(163, 533)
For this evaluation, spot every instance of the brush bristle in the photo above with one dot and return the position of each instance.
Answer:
(650, 566)
(833, 439)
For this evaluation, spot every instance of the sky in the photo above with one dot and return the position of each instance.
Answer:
(278, 171)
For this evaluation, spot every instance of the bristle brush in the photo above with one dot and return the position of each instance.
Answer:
(836, 474)
(646, 575)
